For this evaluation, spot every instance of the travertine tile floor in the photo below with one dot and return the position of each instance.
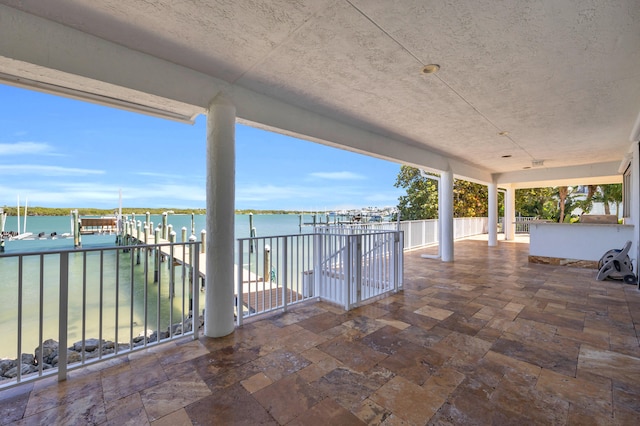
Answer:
(487, 339)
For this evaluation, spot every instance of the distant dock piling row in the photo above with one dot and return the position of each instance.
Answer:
(134, 232)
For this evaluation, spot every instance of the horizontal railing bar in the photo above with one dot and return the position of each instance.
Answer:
(94, 249)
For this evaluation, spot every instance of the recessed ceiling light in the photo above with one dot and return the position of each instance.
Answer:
(430, 69)
(503, 133)
(526, 167)
(506, 156)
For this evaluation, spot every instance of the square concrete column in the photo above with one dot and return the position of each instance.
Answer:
(446, 220)
(493, 214)
(221, 162)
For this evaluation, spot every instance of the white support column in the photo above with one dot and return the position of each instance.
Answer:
(446, 220)
(493, 215)
(510, 214)
(221, 161)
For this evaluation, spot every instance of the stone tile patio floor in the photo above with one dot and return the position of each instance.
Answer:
(487, 339)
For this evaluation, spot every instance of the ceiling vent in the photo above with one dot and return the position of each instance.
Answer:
(537, 163)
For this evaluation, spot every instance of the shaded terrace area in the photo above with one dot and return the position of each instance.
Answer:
(487, 339)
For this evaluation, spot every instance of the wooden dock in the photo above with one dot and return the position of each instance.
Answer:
(181, 255)
(258, 295)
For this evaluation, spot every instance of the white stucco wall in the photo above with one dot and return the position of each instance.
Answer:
(577, 241)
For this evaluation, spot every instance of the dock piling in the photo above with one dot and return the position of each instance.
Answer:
(251, 231)
(165, 232)
(158, 256)
(76, 230)
(267, 263)
(192, 256)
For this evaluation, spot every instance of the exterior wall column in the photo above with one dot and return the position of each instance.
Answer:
(510, 214)
(493, 215)
(221, 123)
(446, 219)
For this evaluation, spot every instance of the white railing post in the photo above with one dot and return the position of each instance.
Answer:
(63, 313)
(283, 273)
(239, 284)
(318, 281)
(401, 262)
(358, 261)
(394, 260)
(347, 274)
(195, 291)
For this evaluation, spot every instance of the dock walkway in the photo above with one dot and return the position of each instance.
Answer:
(258, 295)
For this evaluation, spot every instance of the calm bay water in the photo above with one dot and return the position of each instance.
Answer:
(266, 225)
(126, 303)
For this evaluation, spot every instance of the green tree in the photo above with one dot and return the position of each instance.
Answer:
(421, 201)
(537, 202)
(470, 199)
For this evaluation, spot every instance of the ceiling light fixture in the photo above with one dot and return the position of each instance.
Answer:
(430, 69)
(503, 133)
(506, 156)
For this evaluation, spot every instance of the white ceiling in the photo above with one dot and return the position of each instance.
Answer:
(561, 77)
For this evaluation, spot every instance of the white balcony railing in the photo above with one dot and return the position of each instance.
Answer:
(76, 307)
(420, 233)
(344, 266)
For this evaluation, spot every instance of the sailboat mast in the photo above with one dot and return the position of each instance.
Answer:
(24, 224)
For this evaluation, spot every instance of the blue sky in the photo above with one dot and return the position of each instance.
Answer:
(59, 152)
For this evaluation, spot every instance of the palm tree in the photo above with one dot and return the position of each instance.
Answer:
(611, 193)
(563, 193)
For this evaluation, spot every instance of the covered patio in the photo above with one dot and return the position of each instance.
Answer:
(509, 95)
(487, 339)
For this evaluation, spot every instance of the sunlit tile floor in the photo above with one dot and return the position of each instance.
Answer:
(487, 339)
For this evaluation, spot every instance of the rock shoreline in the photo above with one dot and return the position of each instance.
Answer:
(93, 348)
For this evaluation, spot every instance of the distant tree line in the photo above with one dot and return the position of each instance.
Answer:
(471, 199)
(63, 211)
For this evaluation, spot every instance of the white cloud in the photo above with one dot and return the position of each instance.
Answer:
(38, 170)
(93, 194)
(272, 192)
(160, 175)
(22, 148)
(337, 175)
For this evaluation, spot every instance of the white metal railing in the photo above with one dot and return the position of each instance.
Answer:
(469, 226)
(273, 272)
(358, 264)
(339, 265)
(522, 224)
(99, 302)
(420, 233)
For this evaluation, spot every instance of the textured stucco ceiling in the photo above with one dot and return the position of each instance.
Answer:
(561, 77)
